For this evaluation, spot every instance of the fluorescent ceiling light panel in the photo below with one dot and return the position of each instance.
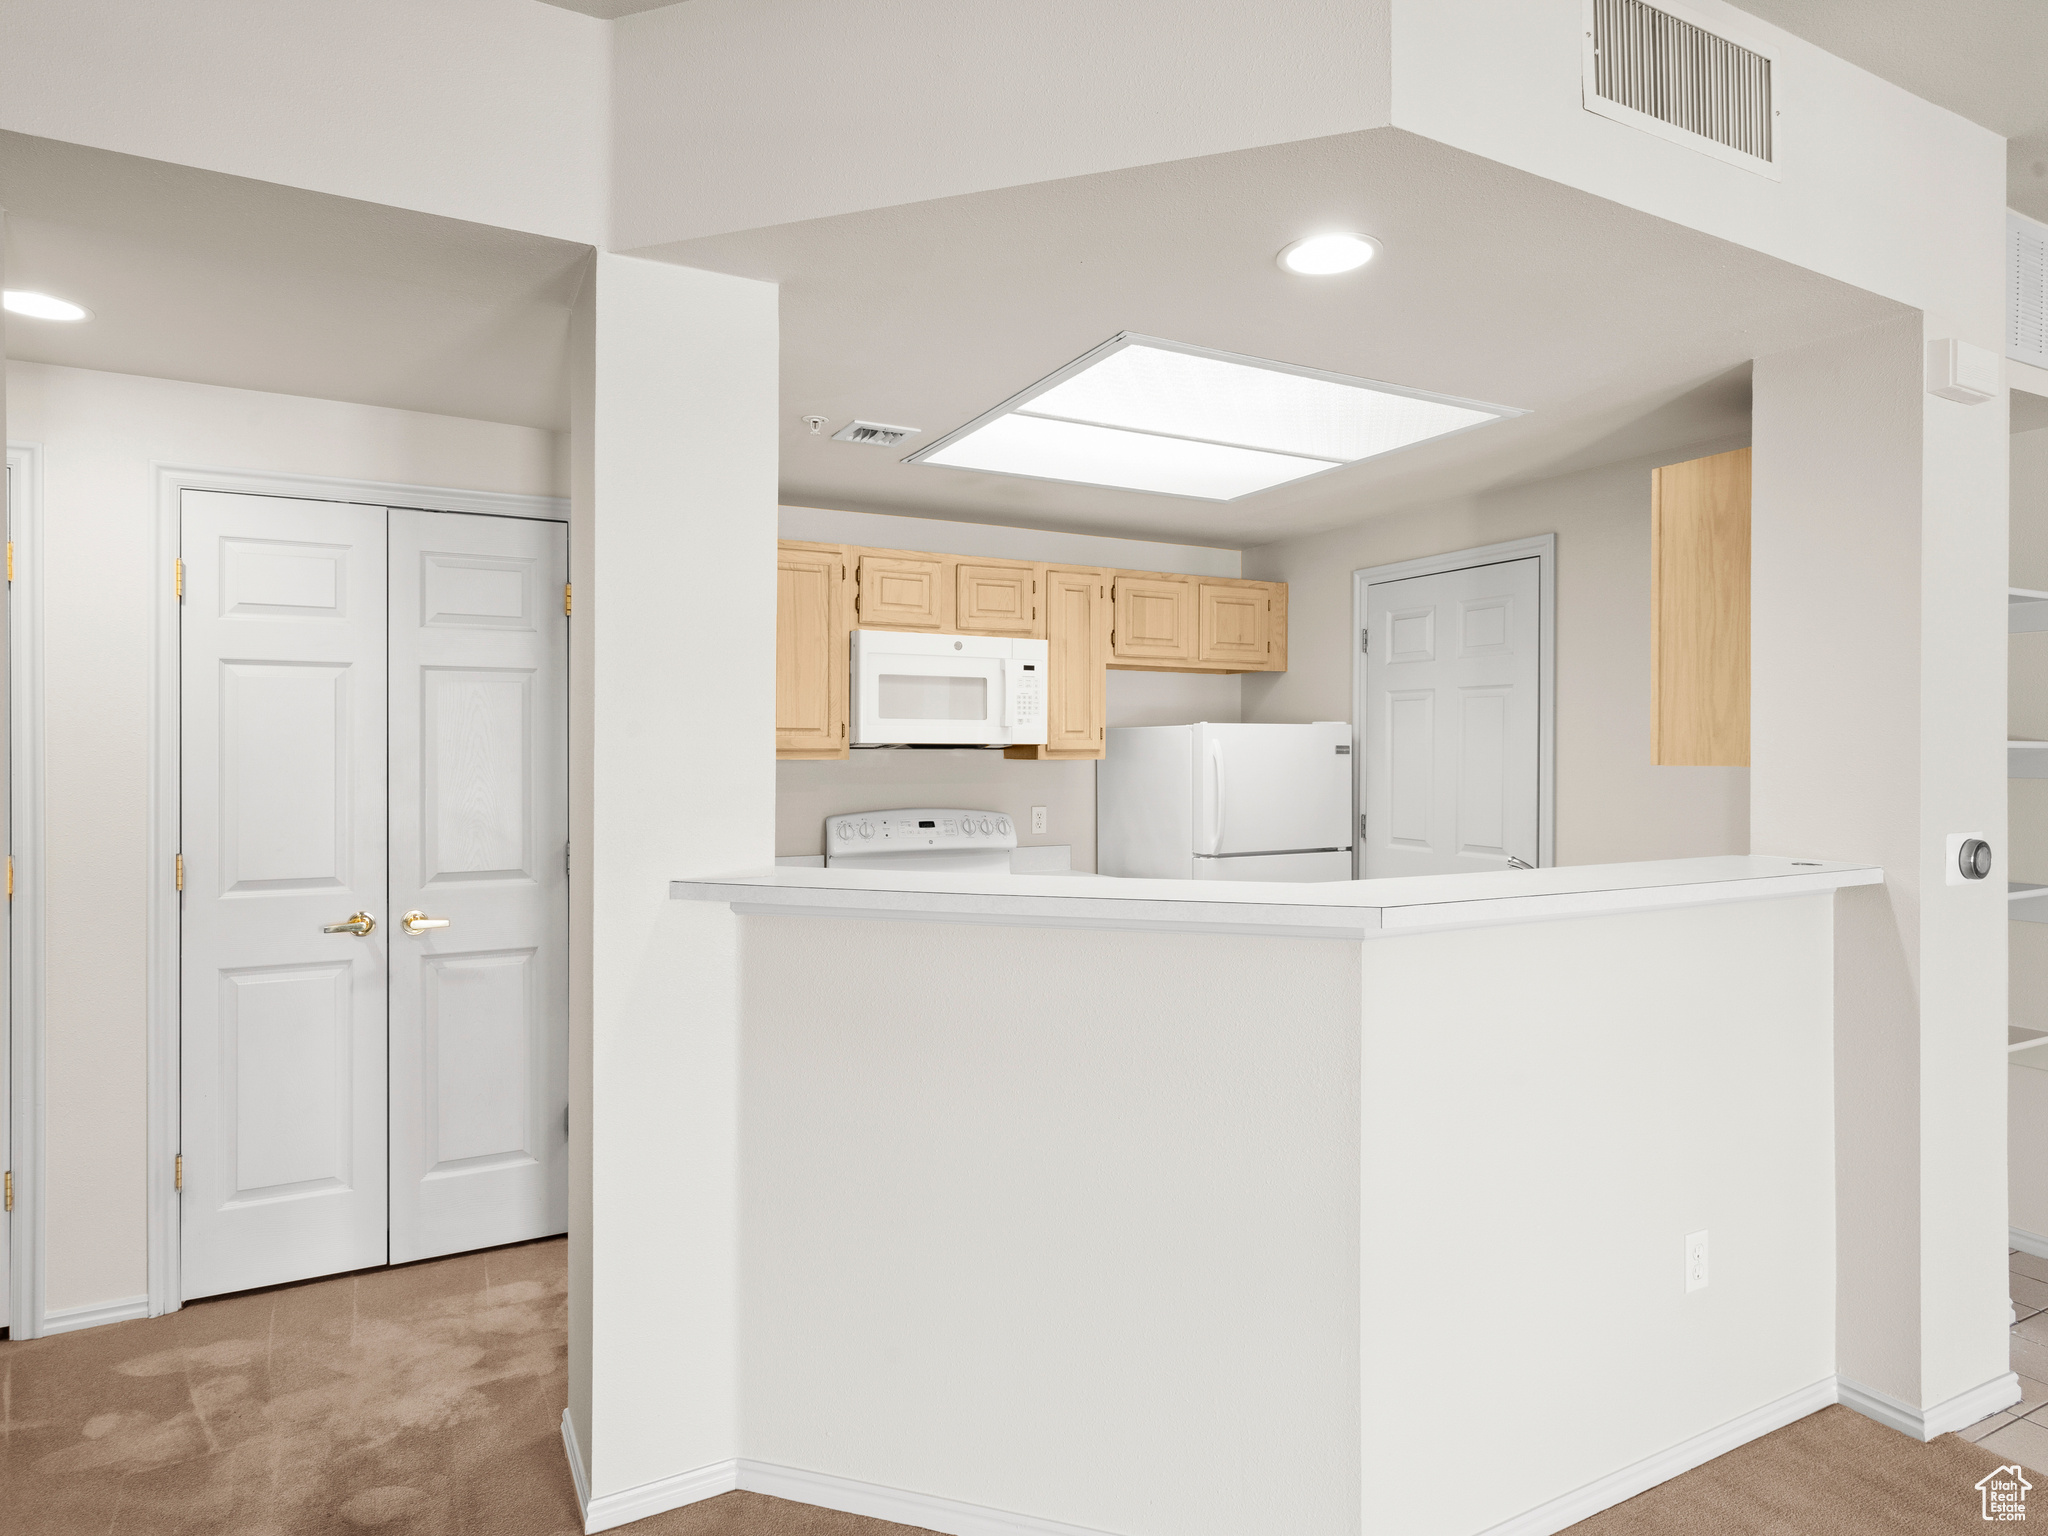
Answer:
(1147, 415)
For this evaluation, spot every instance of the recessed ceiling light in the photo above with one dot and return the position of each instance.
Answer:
(1142, 414)
(41, 306)
(1326, 255)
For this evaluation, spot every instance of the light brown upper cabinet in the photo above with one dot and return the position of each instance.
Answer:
(902, 591)
(1155, 619)
(1699, 602)
(997, 597)
(1077, 635)
(1234, 624)
(810, 651)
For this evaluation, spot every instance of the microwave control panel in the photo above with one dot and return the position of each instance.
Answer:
(1028, 695)
(876, 831)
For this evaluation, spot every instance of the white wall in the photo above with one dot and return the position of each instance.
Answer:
(672, 771)
(101, 433)
(1081, 1245)
(1205, 1235)
(807, 792)
(490, 110)
(1612, 803)
(1608, 1086)
(734, 114)
(1879, 557)
(1880, 189)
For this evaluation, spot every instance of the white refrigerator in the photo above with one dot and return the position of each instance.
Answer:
(1225, 802)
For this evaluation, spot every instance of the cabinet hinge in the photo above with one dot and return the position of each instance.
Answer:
(10, 559)
(10, 1190)
(10, 877)
(179, 875)
(178, 1171)
(178, 578)
(565, 598)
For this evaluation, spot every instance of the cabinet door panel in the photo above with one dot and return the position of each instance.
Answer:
(902, 592)
(1076, 600)
(1699, 604)
(1154, 619)
(1234, 623)
(810, 653)
(996, 599)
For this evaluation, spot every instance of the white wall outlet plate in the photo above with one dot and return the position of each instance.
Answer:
(1696, 1261)
(1952, 857)
(1038, 820)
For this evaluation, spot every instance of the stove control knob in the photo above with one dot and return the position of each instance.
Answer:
(985, 825)
(1003, 825)
(867, 829)
(846, 829)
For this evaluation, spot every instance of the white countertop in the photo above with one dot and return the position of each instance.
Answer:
(1346, 909)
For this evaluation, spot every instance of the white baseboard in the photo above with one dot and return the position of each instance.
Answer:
(2027, 1242)
(949, 1516)
(1571, 1508)
(1958, 1412)
(952, 1517)
(71, 1319)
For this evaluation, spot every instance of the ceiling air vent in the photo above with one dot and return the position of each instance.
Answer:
(2026, 289)
(1650, 67)
(873, 432)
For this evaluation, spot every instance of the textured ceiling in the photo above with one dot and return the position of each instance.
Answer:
(194, 275)
(1982, 59)
(1622, 333)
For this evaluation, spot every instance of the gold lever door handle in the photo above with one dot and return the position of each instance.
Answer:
(419, 922)
(362, 925)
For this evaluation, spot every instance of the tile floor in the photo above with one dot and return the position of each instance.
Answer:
(2021, 1432)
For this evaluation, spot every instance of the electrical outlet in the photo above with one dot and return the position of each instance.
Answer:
(1037, 820)
(1696, 1261)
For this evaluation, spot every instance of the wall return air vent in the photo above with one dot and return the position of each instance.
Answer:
(2026, 289)
(1656, 69)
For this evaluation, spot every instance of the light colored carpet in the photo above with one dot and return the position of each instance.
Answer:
(423, 1401)
(427, 1401)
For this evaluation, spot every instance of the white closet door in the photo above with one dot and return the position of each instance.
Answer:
(479, 831)
(1451, 749)
(283, 1025)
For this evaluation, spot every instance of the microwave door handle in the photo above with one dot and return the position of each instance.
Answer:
(1009, 685)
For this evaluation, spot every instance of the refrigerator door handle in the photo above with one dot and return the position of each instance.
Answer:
(1217, 784)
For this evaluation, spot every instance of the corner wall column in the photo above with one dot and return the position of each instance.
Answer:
(1878, 726)
(672, 773)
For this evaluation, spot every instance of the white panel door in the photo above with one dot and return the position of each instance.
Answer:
(479, 832)
(1451, 764)
(283, 763)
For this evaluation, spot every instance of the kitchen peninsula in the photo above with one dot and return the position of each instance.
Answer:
(1165, 1206)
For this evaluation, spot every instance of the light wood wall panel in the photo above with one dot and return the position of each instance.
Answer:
(1699, 599)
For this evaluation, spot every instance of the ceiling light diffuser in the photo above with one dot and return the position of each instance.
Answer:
(1142, 414)
(42, 306)
(1327, 255)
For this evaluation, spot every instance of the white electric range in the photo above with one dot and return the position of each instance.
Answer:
(959, 842)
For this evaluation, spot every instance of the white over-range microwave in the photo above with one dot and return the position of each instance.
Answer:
(917, 689)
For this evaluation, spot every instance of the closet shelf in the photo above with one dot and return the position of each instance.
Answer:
(2018, 1038)
(2025, 610)
(2021, 906)
(2026, 759)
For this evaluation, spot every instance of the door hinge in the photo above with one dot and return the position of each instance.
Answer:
(178, 1171)
(180, 868)
(565, 858)
(1361, 823)
(566, 586)
(1364, 635)
(10, 1190)
(178, 578)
